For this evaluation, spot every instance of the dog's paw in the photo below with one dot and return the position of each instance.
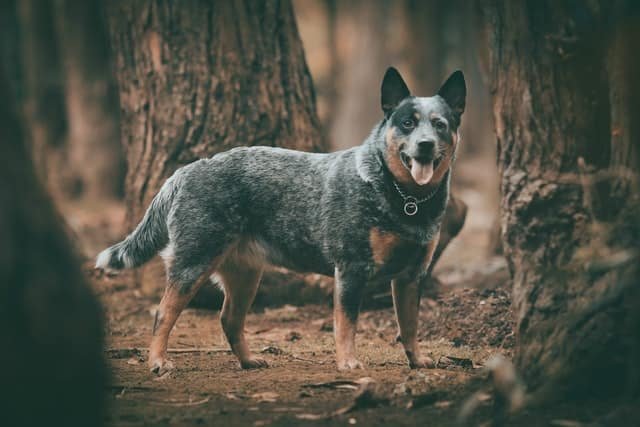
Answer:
(349, 364)
(160, 366)
(423, 362)
(254, 363)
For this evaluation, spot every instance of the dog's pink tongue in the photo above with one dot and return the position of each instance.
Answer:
(421, 172)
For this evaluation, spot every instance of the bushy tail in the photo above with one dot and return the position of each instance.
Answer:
(149, 237)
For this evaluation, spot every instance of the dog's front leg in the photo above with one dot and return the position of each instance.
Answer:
(406, 302)
(347, 295)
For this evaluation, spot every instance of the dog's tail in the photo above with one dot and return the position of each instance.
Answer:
(149, 237)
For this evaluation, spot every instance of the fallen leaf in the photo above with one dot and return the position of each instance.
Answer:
(266, 396)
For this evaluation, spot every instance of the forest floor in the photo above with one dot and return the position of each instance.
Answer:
(461, 325)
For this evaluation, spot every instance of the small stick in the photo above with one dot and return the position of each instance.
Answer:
(134, 350)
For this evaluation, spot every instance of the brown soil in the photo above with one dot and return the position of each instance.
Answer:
(208, 387)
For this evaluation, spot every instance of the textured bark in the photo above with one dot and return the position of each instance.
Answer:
(199, 78)
(94, 151)
(552, 105)
(50, 322)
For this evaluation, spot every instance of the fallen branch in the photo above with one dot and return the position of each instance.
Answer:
(126, 352)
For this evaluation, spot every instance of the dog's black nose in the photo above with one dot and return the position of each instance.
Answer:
(426, 145)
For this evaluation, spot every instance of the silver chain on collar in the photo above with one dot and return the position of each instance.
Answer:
(411, 203)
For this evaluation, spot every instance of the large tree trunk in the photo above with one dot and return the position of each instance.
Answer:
(94, 151)
(202, 77)
(553, 104)
(53, 369)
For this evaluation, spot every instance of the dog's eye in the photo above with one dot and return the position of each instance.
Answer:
(408, 124)
(440, 125)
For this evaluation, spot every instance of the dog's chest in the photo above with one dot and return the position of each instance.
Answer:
(394, 255)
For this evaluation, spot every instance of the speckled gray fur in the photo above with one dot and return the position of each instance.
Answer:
(308, 212)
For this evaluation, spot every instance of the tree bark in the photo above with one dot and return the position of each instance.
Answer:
(94, 151)
(200, 78)
(553, 105)
(50, 322)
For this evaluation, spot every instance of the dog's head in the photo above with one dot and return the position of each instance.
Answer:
(421, 134)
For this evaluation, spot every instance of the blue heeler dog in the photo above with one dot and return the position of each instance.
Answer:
(367, 214)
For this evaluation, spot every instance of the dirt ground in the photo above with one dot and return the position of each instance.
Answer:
(460, 328)
(208, 387)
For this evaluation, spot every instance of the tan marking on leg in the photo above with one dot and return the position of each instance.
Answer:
(406, 303)
(345, 334)
(169, 309)
(382, 244)
(240, 282)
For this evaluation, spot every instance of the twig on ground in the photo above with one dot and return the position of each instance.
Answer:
(127, 352)
(179, 404)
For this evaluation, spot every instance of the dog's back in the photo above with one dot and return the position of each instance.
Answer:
(275, 199)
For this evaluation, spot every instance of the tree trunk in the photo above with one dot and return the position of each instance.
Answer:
(199, 78)
(574, 301)
(53, 368)
(43, 93)
(363, 29)
(442, 36)
(94, 151)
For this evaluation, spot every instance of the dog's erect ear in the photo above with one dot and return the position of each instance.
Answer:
(394, 90)
(454, 92)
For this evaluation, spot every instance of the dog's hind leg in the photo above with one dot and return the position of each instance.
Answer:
(240, 282)
(176, 296)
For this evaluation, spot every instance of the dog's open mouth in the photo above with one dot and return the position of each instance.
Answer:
(421, 169)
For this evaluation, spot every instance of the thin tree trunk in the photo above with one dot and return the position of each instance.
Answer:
(363, 29)
(43, 93)
(552, 106)
(199, 78)
(442, 36)
(50, 322)
(94, 150)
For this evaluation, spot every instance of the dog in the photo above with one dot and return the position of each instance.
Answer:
(367, 214)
